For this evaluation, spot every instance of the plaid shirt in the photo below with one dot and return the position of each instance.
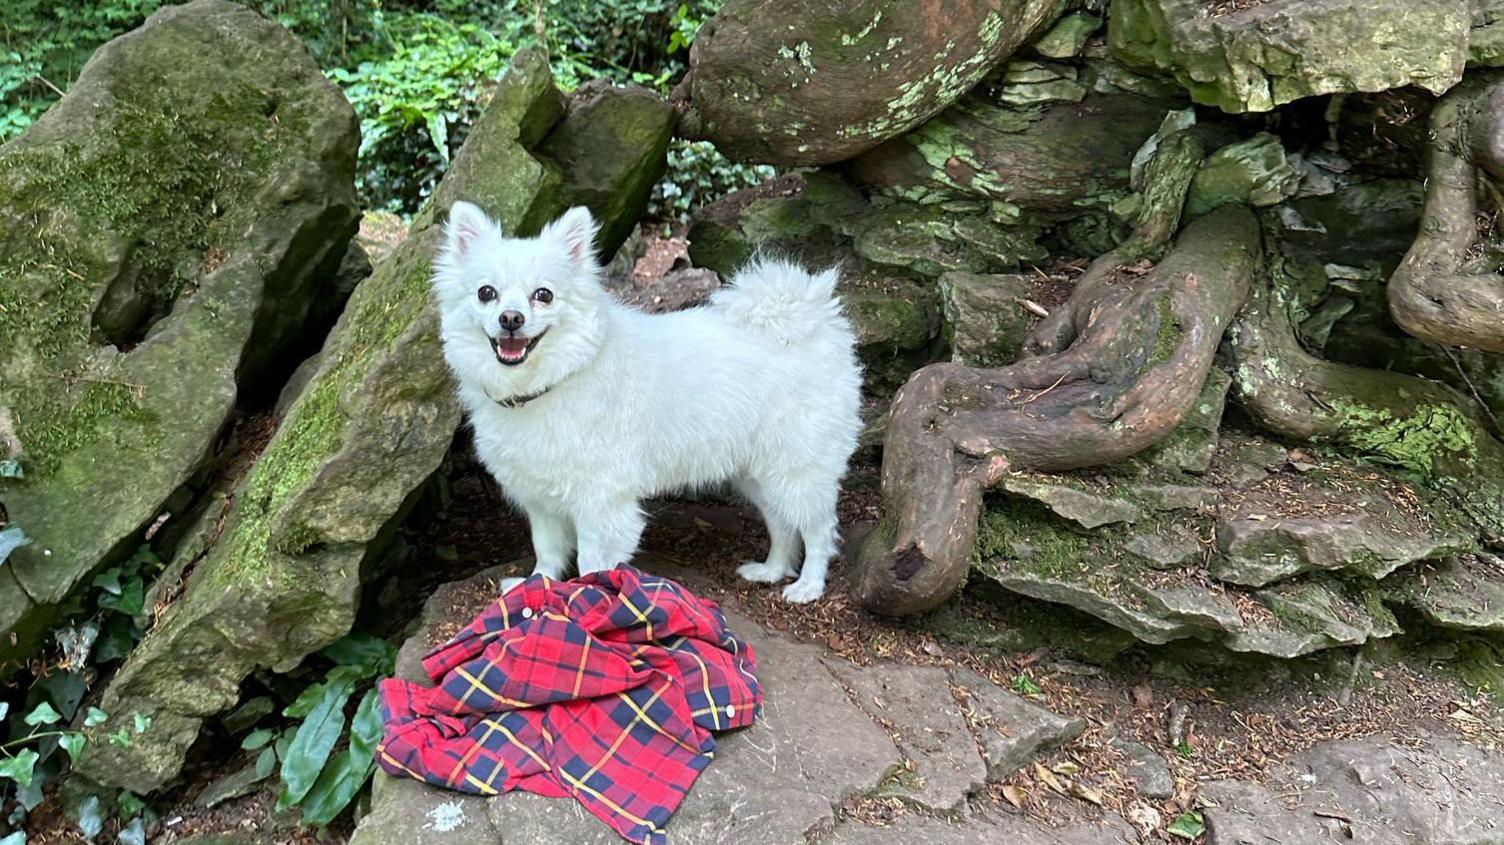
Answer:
(604, 688)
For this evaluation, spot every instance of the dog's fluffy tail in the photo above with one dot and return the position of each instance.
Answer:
(785, 302)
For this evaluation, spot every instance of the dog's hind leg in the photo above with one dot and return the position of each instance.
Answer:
(553, 542)
(813, 509)
(783, 540)
(608, 533)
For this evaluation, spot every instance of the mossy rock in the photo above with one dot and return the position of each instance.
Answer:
(891, 253)
(1061, 159)
(168, 225)
(612, 148)
(803, 82)
(1158, 561)
(323, 499)
(1253, 57)
(986, 318)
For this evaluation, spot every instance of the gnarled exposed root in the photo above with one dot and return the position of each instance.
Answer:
(1422, 425)
(1445, 290)
(1116, 369)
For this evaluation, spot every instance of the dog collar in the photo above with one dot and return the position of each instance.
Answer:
(519, 401)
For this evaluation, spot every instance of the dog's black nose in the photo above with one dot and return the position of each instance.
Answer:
(512, 320)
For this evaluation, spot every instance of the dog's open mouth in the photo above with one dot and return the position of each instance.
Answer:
(513, 350)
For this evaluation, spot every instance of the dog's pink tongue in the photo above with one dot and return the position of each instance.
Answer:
(512, 347)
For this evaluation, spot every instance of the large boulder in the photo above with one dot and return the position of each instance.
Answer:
(1061, 158)
(1253, 55)
(166, 227)
(612, 147)
(355, 448)
(811, 82)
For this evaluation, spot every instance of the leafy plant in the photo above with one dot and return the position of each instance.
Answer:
(1187, 825)
(319, 782)
(698, 174)
(1025, 685)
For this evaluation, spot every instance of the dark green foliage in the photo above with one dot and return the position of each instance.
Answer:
(418, 73)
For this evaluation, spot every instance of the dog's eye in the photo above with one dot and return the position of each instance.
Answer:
(486, 294)
(543, 296)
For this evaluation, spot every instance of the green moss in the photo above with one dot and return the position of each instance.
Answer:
(384, 307)
(1019, 529)
(1416, 442)
(53, 428)
(1170, 332)
(152, 182)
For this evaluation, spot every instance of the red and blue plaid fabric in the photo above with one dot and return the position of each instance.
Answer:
(605, 688)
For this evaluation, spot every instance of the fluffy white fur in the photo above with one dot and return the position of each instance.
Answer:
(759, 389)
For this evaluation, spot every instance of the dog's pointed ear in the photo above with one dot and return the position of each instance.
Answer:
(576, 229)
(467, 224)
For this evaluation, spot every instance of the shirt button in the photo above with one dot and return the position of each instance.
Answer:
(527, 613)
(730, 712)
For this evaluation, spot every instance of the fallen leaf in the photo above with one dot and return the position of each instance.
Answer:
(1049, 779)
(1015, 795)
(1188, 825)
(1145, 818)
(1086, 793)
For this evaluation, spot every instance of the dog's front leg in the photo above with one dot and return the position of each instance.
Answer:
(609, 532)
(553, 541)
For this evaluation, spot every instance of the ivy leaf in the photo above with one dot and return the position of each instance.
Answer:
(265, 763)
(132, 834)
(363, 650)
(73, 744)
(19, 768)
(90, 817)
(257, 739)
(109, 581)
(342, 779)
(311, 745)
(1188, 825)
(142, 722)
(94, 717)
(43, 715)
(130, 804)
(11, 468)
(17, 838)
(4, 709)
(131, 599)
(11, 538)
(117, 636)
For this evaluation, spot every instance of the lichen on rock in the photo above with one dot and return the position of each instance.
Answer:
(1256, 58)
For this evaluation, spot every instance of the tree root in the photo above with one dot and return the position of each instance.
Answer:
(1115, 371)
(1412, 422)
(1447, 290)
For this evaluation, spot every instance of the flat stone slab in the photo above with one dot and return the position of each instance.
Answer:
(1011, 730)
(991, 829)
(1369, 791)
(916, 704)
(1465, 592)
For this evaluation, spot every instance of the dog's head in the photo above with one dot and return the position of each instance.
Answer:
(519, 312)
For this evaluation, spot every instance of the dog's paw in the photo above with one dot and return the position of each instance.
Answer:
(763, 573)
(803, 592)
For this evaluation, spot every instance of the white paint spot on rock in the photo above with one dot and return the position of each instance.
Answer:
(446, 817)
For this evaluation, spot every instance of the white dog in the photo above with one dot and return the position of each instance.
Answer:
(583, 407)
